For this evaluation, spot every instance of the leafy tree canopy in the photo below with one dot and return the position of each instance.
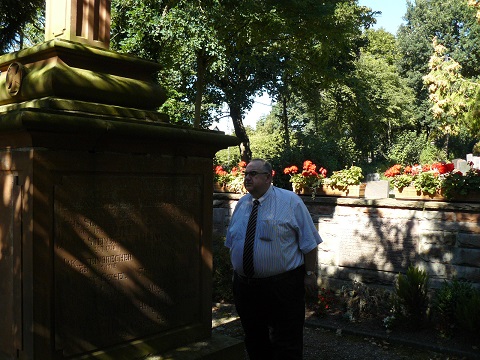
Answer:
(454, 25)
(14, 16)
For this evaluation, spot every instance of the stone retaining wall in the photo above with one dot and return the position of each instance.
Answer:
(371, 241)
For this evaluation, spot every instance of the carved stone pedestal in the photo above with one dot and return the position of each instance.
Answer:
(106, 219)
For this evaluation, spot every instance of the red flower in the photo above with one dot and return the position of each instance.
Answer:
(323, 172)
(426, 168)
(393, 171)
(309, 173)
(444, 168)
(290, 170)
(220, 171)
(309, 169)
(416, 169)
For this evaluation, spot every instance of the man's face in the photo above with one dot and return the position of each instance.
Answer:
(258, 184)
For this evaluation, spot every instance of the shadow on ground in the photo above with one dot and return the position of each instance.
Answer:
(331, 337)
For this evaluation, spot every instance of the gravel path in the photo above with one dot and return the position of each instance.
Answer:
(326, 342)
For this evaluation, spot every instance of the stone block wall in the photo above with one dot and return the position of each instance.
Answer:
(371, 241)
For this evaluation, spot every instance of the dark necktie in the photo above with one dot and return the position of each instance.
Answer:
(249, 240)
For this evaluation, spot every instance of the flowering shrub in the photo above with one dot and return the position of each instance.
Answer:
(436, 177)
(310, 177)
(326, 299)
(220, 175)
(232, 179)
(462, 184)
(427, 178)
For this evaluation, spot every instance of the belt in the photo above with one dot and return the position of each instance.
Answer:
(269, 279)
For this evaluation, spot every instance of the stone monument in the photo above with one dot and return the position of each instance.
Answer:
(106, 212)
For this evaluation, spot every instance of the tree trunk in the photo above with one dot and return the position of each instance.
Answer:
(201, 65)
(286, 128)
(447, 141)
(245, 151)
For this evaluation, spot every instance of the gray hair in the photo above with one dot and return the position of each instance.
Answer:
(265, 164)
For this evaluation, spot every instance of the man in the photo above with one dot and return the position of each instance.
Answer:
(269, 291)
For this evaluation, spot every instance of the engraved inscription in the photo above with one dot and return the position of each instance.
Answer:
(390, 252)
(127, 258)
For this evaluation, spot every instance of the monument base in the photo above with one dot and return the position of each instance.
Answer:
(216, 347)
(107, 241)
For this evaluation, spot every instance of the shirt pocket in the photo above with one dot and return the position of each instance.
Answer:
(271, 230)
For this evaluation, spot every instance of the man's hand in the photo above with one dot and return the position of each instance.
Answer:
(311, 286)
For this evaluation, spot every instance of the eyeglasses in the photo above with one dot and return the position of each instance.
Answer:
(254, 173)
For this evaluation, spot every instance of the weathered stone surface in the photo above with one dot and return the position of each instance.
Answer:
(377, 189)
(66, 70)
(436, 253)
(108, 245)
(445, 238)
(123, 244)
(83, 21)
(467, 257)
(469, 240)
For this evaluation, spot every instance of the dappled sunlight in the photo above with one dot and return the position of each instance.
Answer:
(137, 251)
(372, 241)
(7, 194)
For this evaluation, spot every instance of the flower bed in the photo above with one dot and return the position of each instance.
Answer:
(411, 193)
(310, 181)
(229, 180)
(346, 191)
(438, 181)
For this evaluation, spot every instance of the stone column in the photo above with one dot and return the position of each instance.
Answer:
(83, 21)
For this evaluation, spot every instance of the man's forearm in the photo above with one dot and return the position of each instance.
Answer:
(311, 260)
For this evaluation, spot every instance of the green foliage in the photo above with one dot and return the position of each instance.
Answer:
(217, 53)
(228, 157)
(468, 314)
(360, 301)
(453, 23)
(456, 183)
(222, 271)
(446, 301)
(413, 148)
(449, 91)
(411, 297)
(408, 147)
(427, 182)
(460, 144)
(16, 21)
(382, 45)
(431, 154)
(267, 141)
(476, 149)
(473, 116)
(345, 177)
(401, 181)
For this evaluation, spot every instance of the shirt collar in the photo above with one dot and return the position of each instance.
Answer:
(267, 194)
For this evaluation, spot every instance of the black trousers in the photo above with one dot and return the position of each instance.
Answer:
(272, 312)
